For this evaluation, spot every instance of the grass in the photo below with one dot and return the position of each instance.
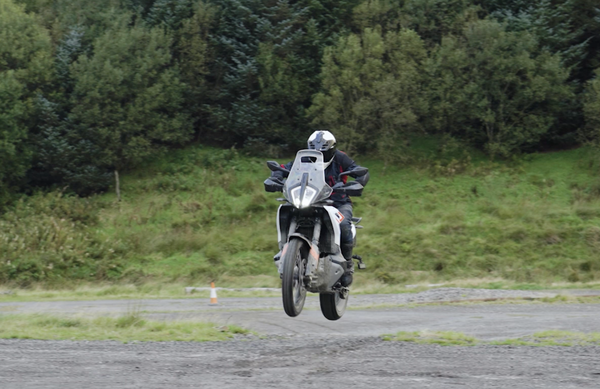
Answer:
(444, 338)
(122, 291)
(201, 215)
(540, 339)
(104, 290)
(555, 338)
(522, 225)
(127, 328)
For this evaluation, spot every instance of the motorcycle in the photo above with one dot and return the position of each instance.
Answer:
(308, 232)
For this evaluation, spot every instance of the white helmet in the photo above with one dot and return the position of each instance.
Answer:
(324, 141)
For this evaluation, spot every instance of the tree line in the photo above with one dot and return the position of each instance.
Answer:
(88, 89)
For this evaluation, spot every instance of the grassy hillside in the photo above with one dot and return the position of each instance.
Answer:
(201, 214)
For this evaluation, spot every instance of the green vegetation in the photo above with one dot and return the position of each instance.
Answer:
(541, 215)
(126, 97)
(158, 289)
(127, 328)
(25, 60)
(444, 338)
(544, 338)
(89, 89)
(432, 90)
(201, 214)
(555, 338)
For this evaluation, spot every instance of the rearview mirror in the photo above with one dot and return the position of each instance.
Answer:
(274, 166)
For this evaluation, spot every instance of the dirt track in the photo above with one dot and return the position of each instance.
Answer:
(310, 351)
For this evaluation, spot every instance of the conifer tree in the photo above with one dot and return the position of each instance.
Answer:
(267, 65)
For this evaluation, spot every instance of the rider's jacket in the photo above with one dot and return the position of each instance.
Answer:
(341, 163)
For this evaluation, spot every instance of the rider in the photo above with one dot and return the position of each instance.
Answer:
(336, 162)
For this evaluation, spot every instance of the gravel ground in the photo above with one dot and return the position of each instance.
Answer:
(311, 352)
(456, 294)
(355, 362)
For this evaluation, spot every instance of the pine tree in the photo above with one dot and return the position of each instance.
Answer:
(568, 28)
(64, 157)
(170, 13)
(268, 61)
(552, 23)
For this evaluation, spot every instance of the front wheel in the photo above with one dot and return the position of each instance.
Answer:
(292, 286)
(333, 305)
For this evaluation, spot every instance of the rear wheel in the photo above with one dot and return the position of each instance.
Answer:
(292, 286)
(333, 305)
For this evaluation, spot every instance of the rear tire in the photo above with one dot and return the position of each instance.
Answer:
(293, 291)
(332, 305)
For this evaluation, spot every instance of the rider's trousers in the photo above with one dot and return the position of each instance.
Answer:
(345, 226)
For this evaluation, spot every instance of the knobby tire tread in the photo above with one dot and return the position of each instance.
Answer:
(330, 308)
(287, 283)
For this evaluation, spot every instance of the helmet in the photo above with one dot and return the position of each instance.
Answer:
(324, 141)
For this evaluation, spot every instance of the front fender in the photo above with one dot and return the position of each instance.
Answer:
(300, 236)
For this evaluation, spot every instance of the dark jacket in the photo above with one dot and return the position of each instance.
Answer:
(341, 163)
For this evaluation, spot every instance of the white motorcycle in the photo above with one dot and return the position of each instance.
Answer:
(308, 231)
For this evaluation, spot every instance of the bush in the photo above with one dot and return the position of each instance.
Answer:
(48, 237)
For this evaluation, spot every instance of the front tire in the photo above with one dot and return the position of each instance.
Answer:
(292, 286)
(333, 305)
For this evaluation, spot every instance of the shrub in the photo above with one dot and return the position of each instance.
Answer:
(49, 237)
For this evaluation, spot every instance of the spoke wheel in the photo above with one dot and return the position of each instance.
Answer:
(292, 286)
(333, 305)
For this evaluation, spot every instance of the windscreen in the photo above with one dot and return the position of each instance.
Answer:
(306, 183)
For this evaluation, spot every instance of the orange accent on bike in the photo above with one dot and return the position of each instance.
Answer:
(284, 250)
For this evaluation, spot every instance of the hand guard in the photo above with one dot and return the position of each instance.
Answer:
(273, 184)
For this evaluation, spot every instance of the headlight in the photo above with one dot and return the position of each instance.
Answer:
(309, 195)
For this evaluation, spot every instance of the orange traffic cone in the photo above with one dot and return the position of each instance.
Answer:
(213, 294)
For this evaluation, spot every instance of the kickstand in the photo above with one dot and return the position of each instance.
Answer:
(361, 264)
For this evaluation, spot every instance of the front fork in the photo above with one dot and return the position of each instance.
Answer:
(309, 276)
(314, 254)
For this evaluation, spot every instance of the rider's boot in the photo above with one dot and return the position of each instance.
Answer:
(347, 278)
